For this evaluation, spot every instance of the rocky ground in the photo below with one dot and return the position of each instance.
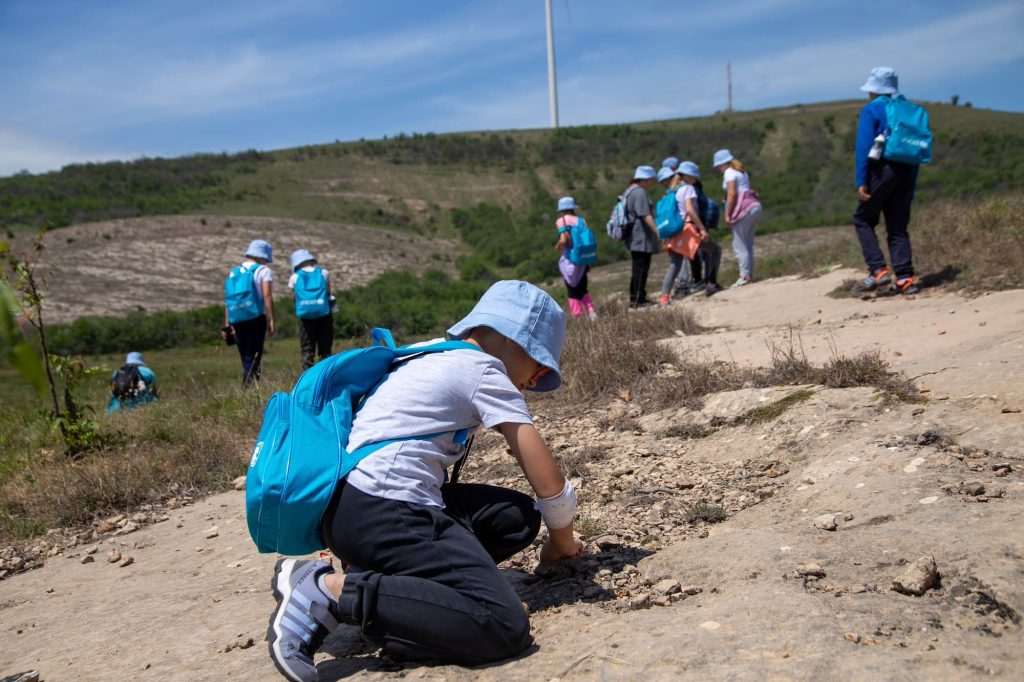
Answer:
(839, 537)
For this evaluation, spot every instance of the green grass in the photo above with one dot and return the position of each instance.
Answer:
(774, 410)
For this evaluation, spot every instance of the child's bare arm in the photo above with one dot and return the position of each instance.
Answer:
(536, 460)
(546, 479)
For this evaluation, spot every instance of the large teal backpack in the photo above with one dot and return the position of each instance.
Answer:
(908, 138)
(584, 246)
(311, 295)
(667, 216)
(302, 450)
(240, 297)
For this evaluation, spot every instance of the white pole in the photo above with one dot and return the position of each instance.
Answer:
(552, 81)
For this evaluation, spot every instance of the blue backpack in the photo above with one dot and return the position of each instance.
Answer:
(707, 208)
(240, 296)
(311, 295)
(667, 216)
(584, 246)
(301, 452)
(908, 138)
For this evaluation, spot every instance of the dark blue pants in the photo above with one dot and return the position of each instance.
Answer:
(891, 186)
(427, 584)
(249, 337)
(315, 339)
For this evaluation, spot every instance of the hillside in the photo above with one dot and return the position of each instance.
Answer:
(799, 157)
(477, 205)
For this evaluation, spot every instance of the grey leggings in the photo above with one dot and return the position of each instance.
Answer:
(743, 240)
(678, 271)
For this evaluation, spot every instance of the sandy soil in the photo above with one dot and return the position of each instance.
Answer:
(779, 598)
(177, 262)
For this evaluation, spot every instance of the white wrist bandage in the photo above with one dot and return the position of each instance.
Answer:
(560, 510)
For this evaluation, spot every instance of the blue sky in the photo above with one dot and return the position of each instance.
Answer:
(119, 79)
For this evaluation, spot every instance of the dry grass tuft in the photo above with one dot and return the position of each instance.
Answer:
(703, 511)
(171, 448)
(619, 350)
(977, 245)
(575, 462)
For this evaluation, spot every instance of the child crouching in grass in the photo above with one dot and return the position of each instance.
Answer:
(422, 553)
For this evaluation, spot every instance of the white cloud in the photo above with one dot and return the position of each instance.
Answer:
(237, 77)
(951, 48)
(606, 86)
(19, 152)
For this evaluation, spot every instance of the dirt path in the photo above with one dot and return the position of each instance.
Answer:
(773, 596)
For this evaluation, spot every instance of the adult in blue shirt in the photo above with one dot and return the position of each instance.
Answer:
(132, 385)
(886, 188)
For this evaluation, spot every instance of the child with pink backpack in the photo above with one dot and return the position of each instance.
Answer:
(575, 276)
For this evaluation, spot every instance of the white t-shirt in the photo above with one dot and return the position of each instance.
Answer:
(742, 180)
(260, 275)
(309, 268)
(685, 192)
(438, 393)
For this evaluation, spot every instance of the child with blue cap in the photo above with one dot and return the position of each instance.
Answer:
(884, 188)
(132, 385)
(249, 307)
(642, 240)
(420, 550)
(311, 287)
(574, 276)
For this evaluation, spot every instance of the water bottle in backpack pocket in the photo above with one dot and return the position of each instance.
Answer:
(240, 296)
(583, 250)
(909, 138)
(311, 300)
(666, 213)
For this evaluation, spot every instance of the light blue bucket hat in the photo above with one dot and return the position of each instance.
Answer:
(644, 173)
(134, 358)
(688, 168)
(260, 249)
(566, 204)
(721, 156)
(882, 81)
(670, 162)
(665, 173)
(525, 314)
(299, 257)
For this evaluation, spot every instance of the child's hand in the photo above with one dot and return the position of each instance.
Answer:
(555, 550)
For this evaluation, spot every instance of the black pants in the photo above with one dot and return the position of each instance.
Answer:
(249, 337)
(891, 186)
(580, 290)
(427, 584)
(710, 252)
(697, 268)
(638, 280)
(316, 337)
